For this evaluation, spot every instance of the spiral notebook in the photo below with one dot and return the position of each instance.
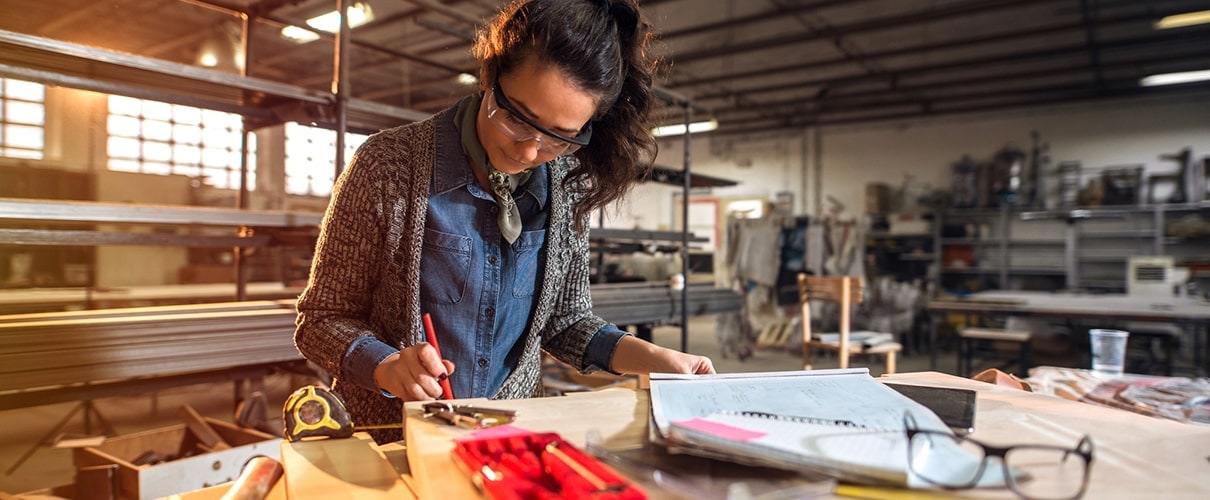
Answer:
(840, 423)
(843, 450)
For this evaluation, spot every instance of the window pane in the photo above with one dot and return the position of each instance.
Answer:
(123, 125)
(321, 187)
(24, 112)
(186, 170)
(26, 91)
(153, 110)
(213, 157)
(30, 154)
(157, 131)
(162, 138)
(22, 115)
(216, 177)
(157, 168)
(217, 119)
(310, 158)
(186, 134)
(186, 154)
(124, 105)
(186, 115)
(124, 165)
(213, 136)
(157, 151)
(297, 185)
(123, 147)
(23, 136)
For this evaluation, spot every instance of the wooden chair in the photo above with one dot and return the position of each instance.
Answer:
(844, 291)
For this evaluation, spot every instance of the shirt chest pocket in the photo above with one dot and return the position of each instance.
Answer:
(444, 267)
(528, 251)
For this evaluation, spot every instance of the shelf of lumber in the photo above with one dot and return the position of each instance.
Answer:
(67, 356)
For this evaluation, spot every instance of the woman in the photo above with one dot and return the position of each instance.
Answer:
(478, 217)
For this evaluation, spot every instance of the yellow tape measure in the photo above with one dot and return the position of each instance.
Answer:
(312, 411)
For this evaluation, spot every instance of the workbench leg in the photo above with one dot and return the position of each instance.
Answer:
(48, 439)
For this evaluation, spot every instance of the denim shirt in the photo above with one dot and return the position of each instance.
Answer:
(478, 289)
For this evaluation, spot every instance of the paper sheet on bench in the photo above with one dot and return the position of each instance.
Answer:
(685, 407)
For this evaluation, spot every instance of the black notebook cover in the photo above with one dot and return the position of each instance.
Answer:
(956, 407)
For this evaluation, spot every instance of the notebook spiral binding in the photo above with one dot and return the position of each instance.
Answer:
(799, 419)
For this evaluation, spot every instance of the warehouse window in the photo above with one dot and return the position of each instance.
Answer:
(22, 118)
(311, 158)
(159, 138)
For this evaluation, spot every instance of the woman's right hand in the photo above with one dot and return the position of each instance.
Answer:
(413, 374)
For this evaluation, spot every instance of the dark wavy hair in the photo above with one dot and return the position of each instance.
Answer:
(602, 47)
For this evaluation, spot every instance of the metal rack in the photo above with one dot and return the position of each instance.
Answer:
(262, 102)
(1089, 243)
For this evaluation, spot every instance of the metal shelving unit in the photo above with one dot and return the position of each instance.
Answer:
(1092, 253)
(260, 101)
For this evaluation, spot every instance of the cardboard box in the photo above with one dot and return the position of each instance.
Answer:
(877, 198)
(181, 475)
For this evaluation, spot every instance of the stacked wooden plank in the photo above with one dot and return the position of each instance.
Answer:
(53, 351)
(147, 347)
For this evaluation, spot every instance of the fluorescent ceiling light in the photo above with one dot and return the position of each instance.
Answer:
(1175, 78)
(208, 59)
(678, 129)
(359, 14)
(1182, 20)
(467, 79)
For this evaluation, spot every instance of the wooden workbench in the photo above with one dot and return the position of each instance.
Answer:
(1135, 456)
(1187, 312)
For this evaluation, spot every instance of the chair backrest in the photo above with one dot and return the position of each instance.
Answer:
(829, 288)
(843, 290)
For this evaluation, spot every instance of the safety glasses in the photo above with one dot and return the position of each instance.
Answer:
(520, 128)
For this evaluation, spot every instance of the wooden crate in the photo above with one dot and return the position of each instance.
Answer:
(130, 481)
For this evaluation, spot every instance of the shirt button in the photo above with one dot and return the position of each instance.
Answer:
(494, 209)
(482, 362)
(491, 312)
(492, 259)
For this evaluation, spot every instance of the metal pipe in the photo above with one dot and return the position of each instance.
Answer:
(340, 83)
(685, 234)
(241, 199)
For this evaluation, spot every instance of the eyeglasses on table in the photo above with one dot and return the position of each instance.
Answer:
(1034, 472)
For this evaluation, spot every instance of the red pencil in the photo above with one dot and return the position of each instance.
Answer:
(431, 333)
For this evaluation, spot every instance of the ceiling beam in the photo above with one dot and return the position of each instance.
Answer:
(446, 11)
(738, 22)
(949, 85)
(877, 24)
(801, 122)
(966, 42)
(1188, 36)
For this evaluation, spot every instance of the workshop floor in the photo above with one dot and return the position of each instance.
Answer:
(52, 467)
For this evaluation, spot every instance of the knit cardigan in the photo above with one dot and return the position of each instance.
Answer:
(365, 276)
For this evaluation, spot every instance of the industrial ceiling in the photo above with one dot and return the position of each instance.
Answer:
(757, 66)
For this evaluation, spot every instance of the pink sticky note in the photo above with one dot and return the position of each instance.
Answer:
(720, 429)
